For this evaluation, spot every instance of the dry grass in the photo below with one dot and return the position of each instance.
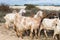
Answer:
(10, 35)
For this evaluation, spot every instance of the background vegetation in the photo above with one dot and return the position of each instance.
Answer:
(31, 11)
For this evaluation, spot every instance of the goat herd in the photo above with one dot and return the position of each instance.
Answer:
(39, 21)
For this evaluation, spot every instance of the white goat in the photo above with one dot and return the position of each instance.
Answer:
(48, 24)
(24, 23)
(10, 17)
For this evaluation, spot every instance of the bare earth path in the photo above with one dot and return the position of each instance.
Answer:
(10, 35)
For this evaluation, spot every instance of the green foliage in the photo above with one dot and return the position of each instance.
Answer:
(4, 7)
(2, 14)
(29, 6)
(35, 10)
(32, 9)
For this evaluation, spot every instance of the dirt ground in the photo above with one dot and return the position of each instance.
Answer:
(10, 35)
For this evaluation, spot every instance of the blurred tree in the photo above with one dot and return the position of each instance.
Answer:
(4, 7)
(29, 6)
(31, 9)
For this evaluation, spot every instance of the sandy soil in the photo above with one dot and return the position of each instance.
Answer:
(10, 35)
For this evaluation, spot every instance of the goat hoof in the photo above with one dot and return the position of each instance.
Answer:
(22, 37)
(36, 37)
(31, 37)
(18, 36)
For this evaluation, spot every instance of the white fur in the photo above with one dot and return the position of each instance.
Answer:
(26, 23)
